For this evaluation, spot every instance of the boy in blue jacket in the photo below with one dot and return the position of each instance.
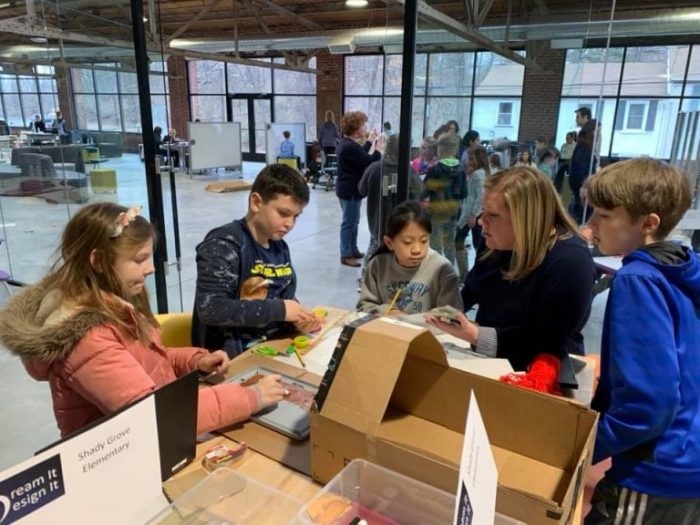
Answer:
(649, 391)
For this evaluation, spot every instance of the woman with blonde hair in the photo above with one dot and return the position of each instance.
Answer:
(533, 281)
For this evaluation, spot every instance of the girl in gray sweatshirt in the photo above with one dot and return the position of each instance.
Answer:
(406, 268)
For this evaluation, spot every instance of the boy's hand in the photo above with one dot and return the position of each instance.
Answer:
(214, 362)
(271, 390)
(303, 318)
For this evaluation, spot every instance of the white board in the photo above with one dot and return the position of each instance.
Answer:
(215, 145)
(274, 137)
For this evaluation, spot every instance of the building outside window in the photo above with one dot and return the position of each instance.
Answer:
(479, 90)
(652, 84)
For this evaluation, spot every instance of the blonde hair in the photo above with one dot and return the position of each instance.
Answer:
(642, 186)
(352, 121)
(538, 217)
(86, 278)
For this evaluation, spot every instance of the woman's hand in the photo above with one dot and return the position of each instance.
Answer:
(271, 390)
(214, 362)
(461, 327)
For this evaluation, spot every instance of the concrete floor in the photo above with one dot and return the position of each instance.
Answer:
(32, 228)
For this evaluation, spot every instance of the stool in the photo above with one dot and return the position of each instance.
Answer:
(104, 180)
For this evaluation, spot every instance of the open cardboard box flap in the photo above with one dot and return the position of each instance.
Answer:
(395, 390)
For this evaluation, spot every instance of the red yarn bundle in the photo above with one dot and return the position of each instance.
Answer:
(542, 375)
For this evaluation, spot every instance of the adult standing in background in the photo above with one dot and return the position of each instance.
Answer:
(353, 158)
(583, 160)
(59, 127)
(328, 134)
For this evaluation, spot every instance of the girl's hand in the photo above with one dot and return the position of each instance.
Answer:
(461, 327)
(214, 362)
(271, 390)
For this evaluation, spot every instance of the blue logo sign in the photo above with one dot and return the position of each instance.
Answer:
(31, 489)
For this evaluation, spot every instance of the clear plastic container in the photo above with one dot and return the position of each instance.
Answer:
(380, 497)
(225, 497)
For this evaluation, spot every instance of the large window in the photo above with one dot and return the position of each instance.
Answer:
(293, 92)
(634, 92)
(106, 98)
(478, 90)
(23, 95)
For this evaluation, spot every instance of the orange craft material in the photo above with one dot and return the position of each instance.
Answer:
(542, 375)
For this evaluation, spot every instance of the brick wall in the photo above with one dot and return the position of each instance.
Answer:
(541, 92)
(179, 102)
(329, 86)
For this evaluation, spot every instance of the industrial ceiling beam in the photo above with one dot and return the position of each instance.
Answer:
(542, 6)
(294, 17)
(453, 26)
(483, 12)
(211, 5)
(236, 60)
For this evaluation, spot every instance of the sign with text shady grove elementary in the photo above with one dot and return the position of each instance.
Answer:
(107, 474)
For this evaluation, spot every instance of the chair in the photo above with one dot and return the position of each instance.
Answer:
(91, 155)
(175, 328)
(329, 171)
(291, 162)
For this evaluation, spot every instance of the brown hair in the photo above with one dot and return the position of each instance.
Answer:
(538, 216)
(351, 121)
(479, 159)
(642, 186)
(280, 179)
(89, 280)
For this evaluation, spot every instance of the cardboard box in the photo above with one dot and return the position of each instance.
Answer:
(290, 452)
(395, 401)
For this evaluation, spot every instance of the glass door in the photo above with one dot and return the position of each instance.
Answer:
(254, 112)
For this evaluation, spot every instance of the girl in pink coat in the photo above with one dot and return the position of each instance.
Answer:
(88, 330)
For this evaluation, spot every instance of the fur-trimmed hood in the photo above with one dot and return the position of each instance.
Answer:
(40, 324)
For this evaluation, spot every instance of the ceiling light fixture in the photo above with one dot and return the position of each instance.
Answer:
(356, 3)
(145, 19)
(38, 39)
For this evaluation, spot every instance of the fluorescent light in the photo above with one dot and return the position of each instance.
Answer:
(3, 6)
(356, 3)
(39, 39)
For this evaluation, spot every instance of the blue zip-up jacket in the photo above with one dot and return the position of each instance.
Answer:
(649, 390)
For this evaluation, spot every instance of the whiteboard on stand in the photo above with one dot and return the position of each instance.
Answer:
(274, 137)
(215, 145)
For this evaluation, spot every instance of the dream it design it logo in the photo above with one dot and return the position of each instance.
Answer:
(31, 489)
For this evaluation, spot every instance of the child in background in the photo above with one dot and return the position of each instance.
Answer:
(445, 189)
(525, 160)
(567, 150)
(495, 163)
(479, 170)
(88, 330)
(246, 284)
(286, 146)
(427, 157)
(649, 390)
(548, 160)
(405, 262)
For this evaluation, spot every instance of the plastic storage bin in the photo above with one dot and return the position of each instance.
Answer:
(225, 497)
(381, 497)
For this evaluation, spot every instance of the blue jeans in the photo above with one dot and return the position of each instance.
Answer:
(348, 227)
